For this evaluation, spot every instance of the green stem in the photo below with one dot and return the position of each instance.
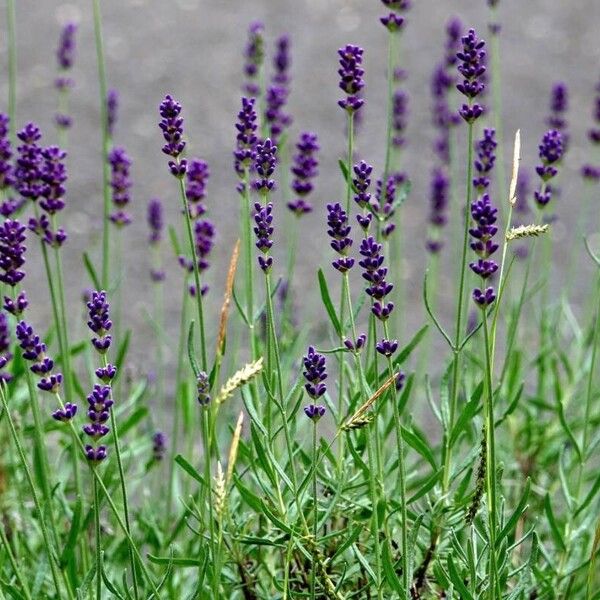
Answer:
(313, 574)
(98, 539)
(459, 317)
(113, 424)
(208, 478)
(193, 254)
(49, 549)
(105, 142)
(390, 108)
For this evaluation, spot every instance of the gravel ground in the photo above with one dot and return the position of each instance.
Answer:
(192, 48)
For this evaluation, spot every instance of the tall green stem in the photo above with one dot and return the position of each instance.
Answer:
(193, 254)
(313, 574)
(105, 142)
(12, 67)
(459, 316)
(98, 539)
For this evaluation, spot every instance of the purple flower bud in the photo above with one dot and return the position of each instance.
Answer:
(66, 46)
(246, 139)
(6, 169)
(351, 77)
(263, 229)
(439, 204)
(65, 415)
(254, 54)
(559, 104)
(400, 379)
(399, 117)
(120, 184)
(155, 220)
(266, 153)
(99, 321)
(387, 347)
(590, 172)
(95, 455)
(362, 181)
(51, 383)
(195, 189)
(12, 252)
(106, 374)
(112, 106)
(472, 68)
(314, 412)
(315, 373)
(392, 22)
(485, 158)
(550, 151)
(360, 342)
(171, 125)
(159, 445)
(29, 164)
(304, 169)
(339, 231)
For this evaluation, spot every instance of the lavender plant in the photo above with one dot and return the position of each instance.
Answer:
(386, 460)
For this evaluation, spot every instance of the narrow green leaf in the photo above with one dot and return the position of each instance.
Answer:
(464, 593)
(189, 469)
(192, 351)
(419, 445)
(69, 550)
(516, 515)
(557, 536)
(326, 298)
(89, 267)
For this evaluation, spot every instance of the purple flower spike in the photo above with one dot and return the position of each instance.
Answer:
(486, 157)
(484, 215)
(314, 412)
(195, 188)
(362, 181)
(246, 139)
(387, 347)
(400, 380)
(339, 231)
(277, 93)
(559, 104)
(254, 54)
(99, 321)
(65, 415)
(281, 60)
(392, 22)
(155, 220)
(266, 158)
(106, 374)
(6, 169)
(172, 127)
(54, 176)
(112, 106)
(51, 383)
(65, 53)
(358, 346)
(594, 132)
(12, 252)
(204, 233)
(159, 445)
(351, 77)
(304, 169)
(438, 217)
(263, 229)
(472, 69)
(551, 152)
(29, 164)
(120, 184)
(99, 405)
(375, 274)
(5, 355)
(315, 373)
(399, 117)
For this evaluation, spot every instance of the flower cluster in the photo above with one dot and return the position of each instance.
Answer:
(393, 21)
(277, 93)
(375, 274)
(254, 55)
(171, 125)
(266, 158)
(195, 188)
(263, 219)
(399, 117)
(304, 169)
(362, 182)
(315, 373)
(472, 69)
(100, 400)
(339, 231)
(120, 184)
(34, 351)
(245, 152)
(12, 252)
(484, 215)
(351, 77)
(28, 168)
(65, 56)
(485, 150)
(384, 203)
(551, 151)
(6, 169)
(156, 225)
(438, 217)
(559, 104)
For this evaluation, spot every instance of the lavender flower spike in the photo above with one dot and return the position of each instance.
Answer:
(99, 321)
(254, 54)
(12, 252)
(559, 104)
(486, 157)
(375, 274)
(112, 106)
(438, 217)
(484, 215)
(351, 77)
(195, 187)
(5, 355)
(155, 220)
(28, 170)
(246, 139)
(315, 373)
(65, 53)
(171, 125)
(314, 412)
(99, 405)
(6, 169)
(594, 132)
(120, 184)
(159, 445)
(472, 69)
(266, 153)
(304, 169)
(263, 229)
(550, 151)
(339, 231)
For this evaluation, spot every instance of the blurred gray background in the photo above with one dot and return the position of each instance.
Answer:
(193, 49)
